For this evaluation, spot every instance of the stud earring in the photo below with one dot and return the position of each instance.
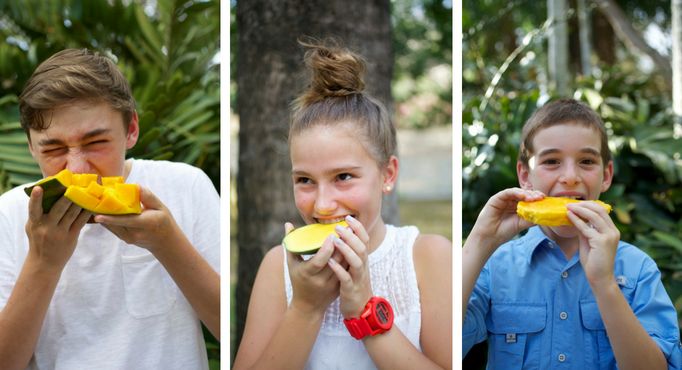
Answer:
(387, 188)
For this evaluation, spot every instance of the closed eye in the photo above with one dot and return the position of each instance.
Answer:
(97, 142)
(53, 150)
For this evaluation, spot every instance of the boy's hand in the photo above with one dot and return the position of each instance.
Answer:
(53, 236)
(598, 241)
(313, 282)
(498, 221)
(153, 229)
(356, 286)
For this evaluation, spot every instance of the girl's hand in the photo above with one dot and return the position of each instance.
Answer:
(313, 283)
(356, 287)
(498, 221)
(598, 241)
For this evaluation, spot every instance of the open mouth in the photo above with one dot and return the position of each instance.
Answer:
(331, 220)
(576, 197)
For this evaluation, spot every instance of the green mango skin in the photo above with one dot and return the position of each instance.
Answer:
(52, 191)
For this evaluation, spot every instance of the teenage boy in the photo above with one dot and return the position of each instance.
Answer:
(573, 297)
(124, 292)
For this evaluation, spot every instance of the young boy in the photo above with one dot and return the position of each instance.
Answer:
(572, 297)
(125, 292)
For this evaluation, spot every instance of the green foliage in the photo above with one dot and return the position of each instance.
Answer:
(167, 53)
(167, 49)
(422, 81)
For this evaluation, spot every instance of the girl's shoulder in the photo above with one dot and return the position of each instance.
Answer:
(432, 256)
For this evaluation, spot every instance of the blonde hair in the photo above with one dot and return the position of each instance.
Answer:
(335, 96)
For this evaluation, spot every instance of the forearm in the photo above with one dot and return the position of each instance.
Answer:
(632, 346)
(282, 351)
(199, 283)
(22, 317)
(392, 350)
(475, 253)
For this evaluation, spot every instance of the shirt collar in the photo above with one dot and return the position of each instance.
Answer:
(534, 238)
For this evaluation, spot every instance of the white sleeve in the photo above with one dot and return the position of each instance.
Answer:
(206, 223)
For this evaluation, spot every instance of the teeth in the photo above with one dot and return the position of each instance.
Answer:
(331, 221)
(576, 197)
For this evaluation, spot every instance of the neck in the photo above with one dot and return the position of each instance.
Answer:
(569, 244)
(377, 233)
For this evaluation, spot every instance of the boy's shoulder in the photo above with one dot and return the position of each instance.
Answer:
(631, 260)
(162, 165)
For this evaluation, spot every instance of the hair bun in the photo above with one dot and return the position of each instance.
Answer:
(336, 71)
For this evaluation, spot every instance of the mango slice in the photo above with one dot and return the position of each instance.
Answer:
(308, 239)
(550, 211)
(111, 197)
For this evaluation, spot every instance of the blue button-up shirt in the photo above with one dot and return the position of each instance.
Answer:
(537, 309)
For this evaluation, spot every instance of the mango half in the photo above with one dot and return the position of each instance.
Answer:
(111, 197)
(550, 211)
(308, 239)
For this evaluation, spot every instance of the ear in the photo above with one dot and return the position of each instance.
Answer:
(390, 174)
(523, 173)
(133, 131)
(608, 177)
(30, 146)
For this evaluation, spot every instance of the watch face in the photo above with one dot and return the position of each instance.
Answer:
(383, 313)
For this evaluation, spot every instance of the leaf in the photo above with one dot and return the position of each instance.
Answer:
(669, 239)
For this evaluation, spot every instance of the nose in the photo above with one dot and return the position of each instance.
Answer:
(76, 162)
(570, 174)
(325, 201)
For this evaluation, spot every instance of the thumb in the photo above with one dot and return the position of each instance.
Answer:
(149, 200)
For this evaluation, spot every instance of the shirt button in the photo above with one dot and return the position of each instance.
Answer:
(562, 357)
(564, 274)
(563, 315)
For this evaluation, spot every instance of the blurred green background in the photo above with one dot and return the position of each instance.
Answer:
(169, 51)
(506, 77)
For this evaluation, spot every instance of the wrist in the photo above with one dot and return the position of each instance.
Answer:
(35, 266)
(307, 310)
(376, 318)
(604, 286)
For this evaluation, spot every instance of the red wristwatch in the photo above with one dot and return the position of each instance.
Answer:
(376, 318)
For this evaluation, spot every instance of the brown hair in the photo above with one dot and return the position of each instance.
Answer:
(560, 112)
(335, 96)
(73, 75)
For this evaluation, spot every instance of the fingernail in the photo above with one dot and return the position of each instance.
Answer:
(336, 240)
(349, 218)
(339, 228)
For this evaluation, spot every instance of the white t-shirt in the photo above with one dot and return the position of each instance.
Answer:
(115, 306)
(391, 270)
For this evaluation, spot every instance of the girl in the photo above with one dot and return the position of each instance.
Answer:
(302, 311)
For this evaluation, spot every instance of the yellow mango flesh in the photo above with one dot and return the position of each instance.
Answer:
(308, 239)
(550, 211)
(111, 197)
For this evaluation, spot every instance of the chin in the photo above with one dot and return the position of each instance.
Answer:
(565, 232)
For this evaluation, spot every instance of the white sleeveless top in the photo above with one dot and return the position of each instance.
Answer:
(391, 270)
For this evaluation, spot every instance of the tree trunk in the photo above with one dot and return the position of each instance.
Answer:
(558, 47)
(677, 59)
(585, 32)
(603, 38)
(270, 74)
(633, 39)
